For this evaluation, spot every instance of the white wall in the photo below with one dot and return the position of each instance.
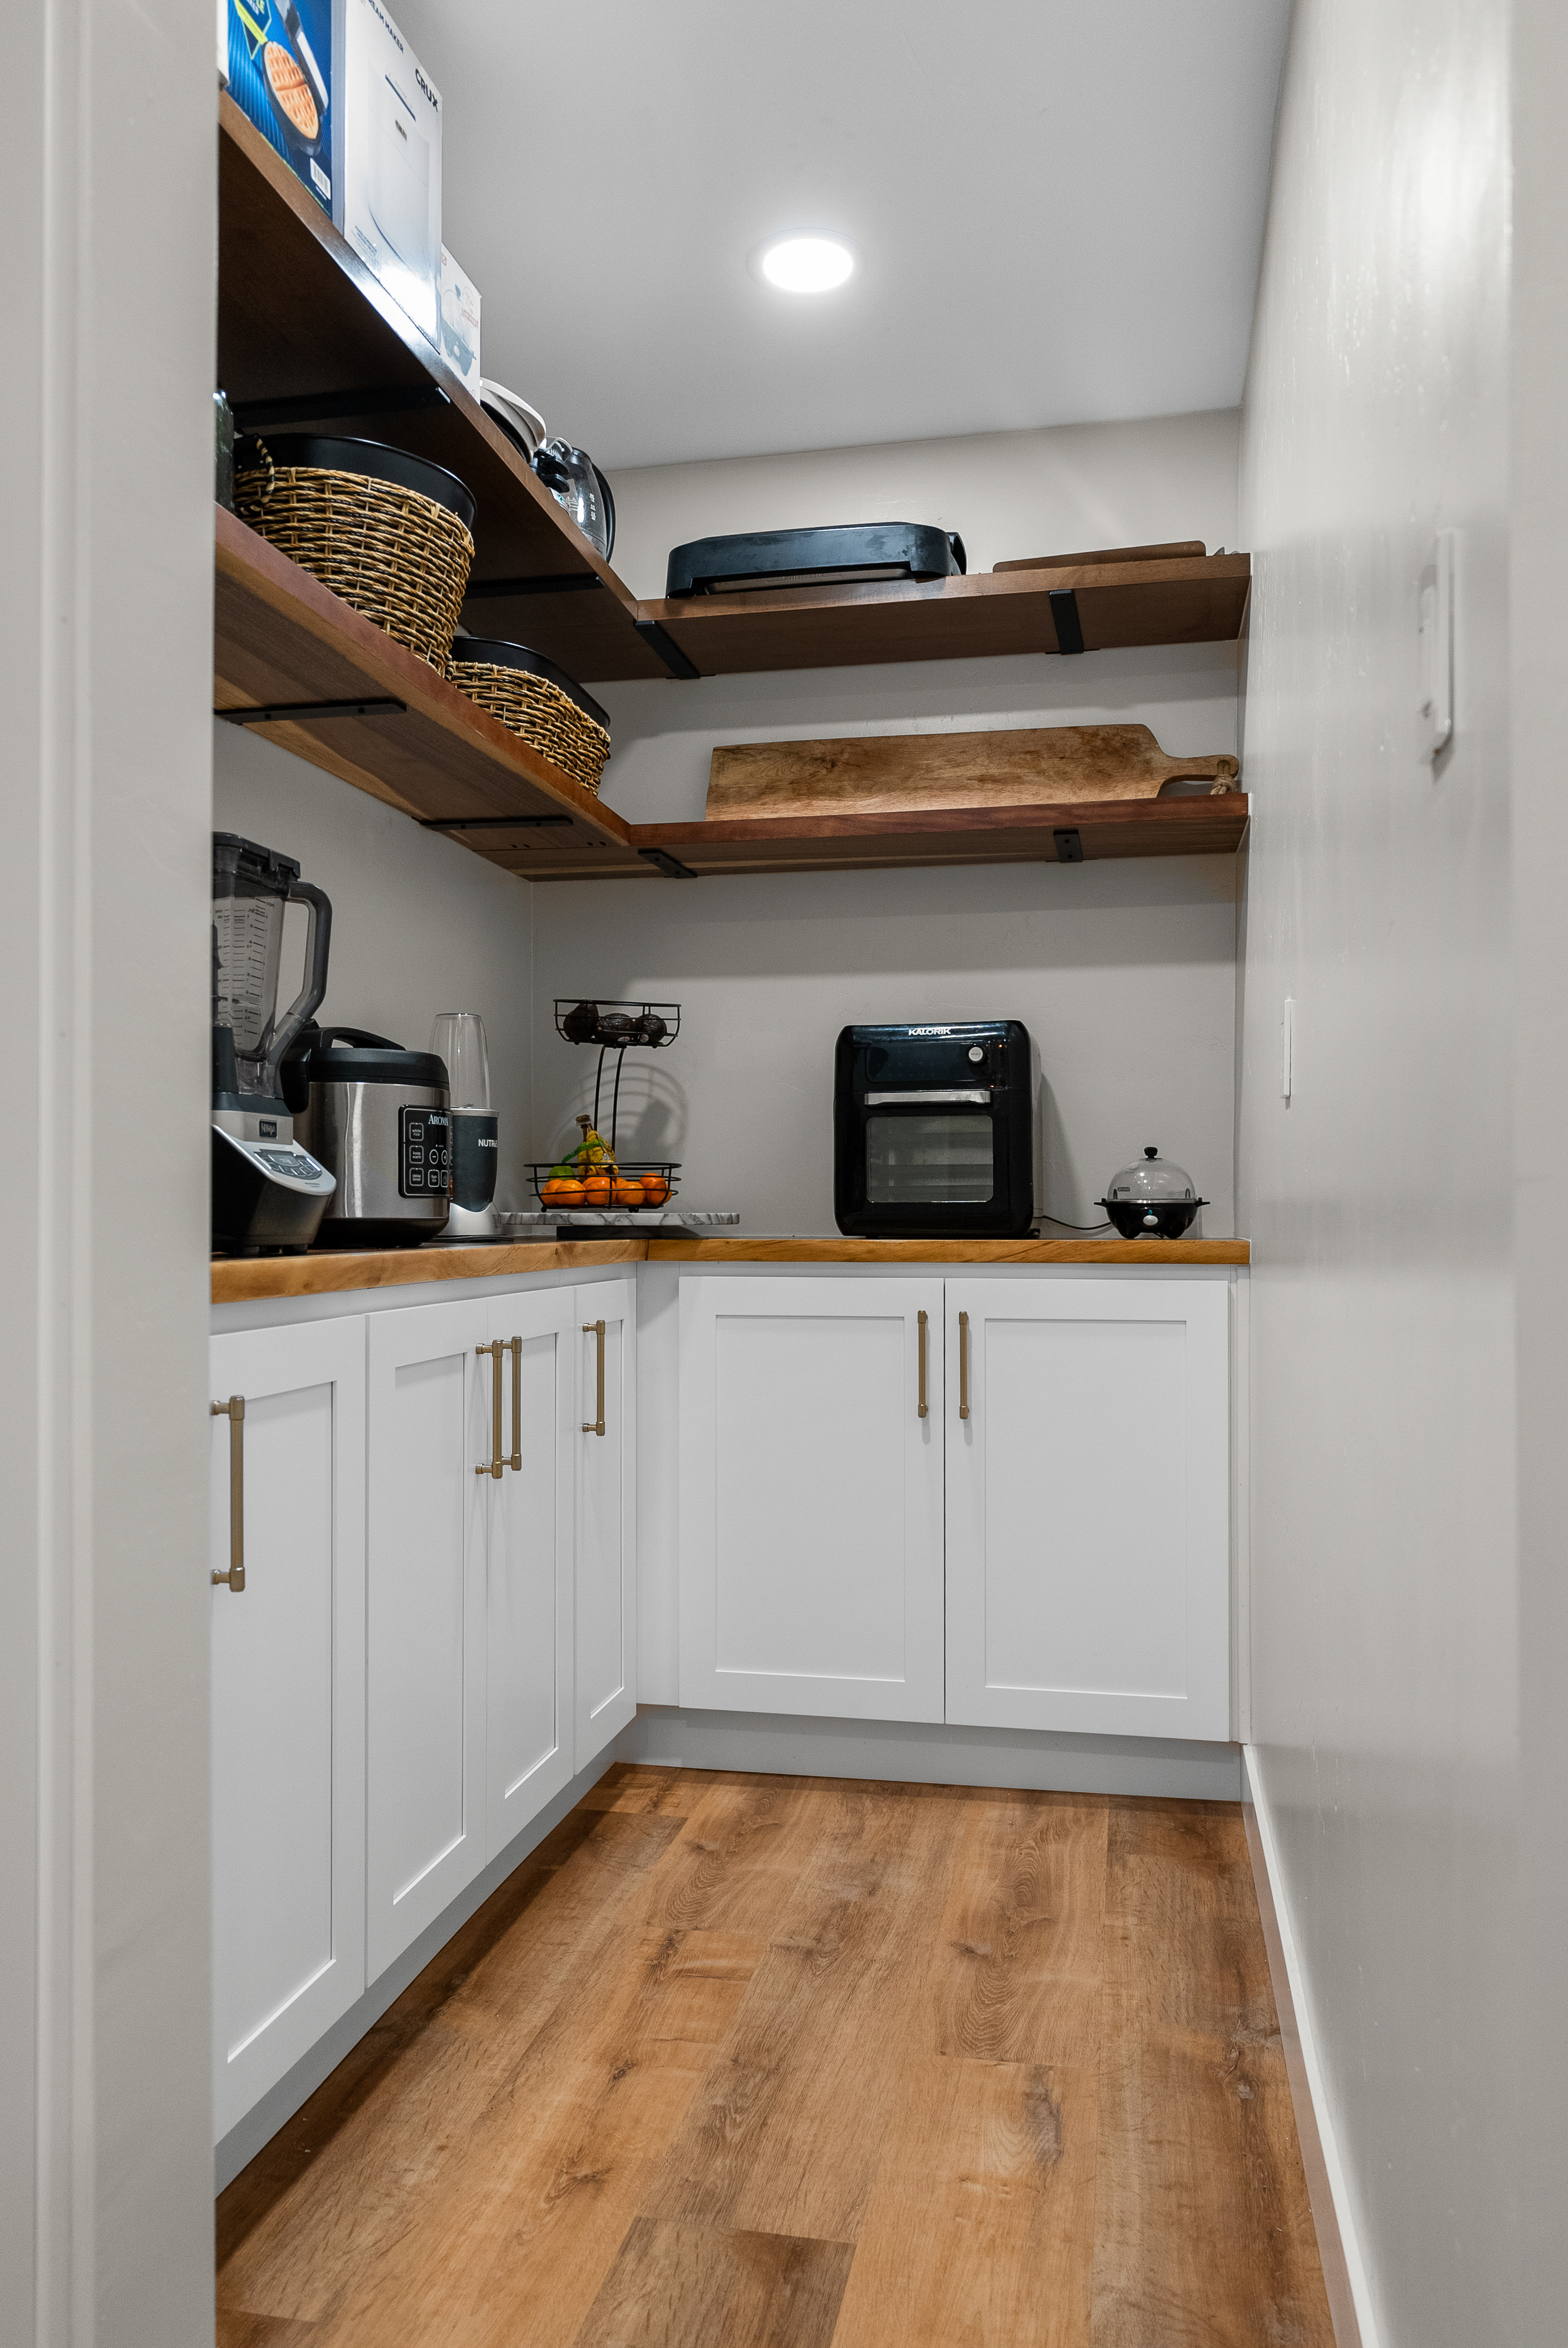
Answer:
(1538, 599)
(1057, 491)
(1123, 972)
(420, 924)
(1379, 1201)
(106, 189)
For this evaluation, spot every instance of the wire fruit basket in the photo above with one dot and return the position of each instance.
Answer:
(654, 1181)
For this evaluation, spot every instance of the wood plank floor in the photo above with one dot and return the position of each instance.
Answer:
(739, 2061)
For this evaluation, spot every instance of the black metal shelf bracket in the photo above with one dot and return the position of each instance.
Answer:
(671, 866)
(492, 822)
(568, 582)
(324, 407)
(300, 713)
(659, 640)
(1064, 617)
(1069, 846)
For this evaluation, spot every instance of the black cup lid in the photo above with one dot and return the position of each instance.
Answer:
(340, 455)
(501, 654)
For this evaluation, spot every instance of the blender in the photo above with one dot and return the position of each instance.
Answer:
(269, 1194)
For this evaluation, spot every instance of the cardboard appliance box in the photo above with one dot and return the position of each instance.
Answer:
(388, 157)
(459, 323)
(278, 64)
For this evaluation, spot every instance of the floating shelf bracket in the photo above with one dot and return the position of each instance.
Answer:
(658, 639)
(671, 866)
(1069, 846)
(300, 713)
(324, 407)
(1065, 619)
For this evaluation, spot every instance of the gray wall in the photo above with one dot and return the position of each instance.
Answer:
(1123, 972)
(420, 924)
(106, 189)
(1379, 1201)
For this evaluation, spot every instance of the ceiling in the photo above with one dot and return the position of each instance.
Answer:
(1058, 210)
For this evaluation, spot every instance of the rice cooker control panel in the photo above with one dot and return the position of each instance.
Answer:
(425, 1152)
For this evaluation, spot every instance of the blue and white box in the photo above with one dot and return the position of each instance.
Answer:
(278, 64)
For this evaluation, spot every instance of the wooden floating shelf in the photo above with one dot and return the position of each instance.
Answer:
(300, 316)
(281, 639)
(1191, 601)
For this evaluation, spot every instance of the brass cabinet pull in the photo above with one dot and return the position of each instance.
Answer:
(963, 1365)
(596, 1329)
(233, 1410)
(922, 1408)
(495, 1462)
(515, 1348)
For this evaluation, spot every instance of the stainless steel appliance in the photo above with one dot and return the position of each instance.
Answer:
(936, 1130)
(377, 1116)
(267, 1192)
(457, 1038)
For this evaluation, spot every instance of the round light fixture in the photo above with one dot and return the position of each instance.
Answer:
(806, 264)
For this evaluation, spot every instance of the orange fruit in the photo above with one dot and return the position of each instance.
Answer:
(596, 1189)
(627, 1194)
(655, 1189)
(562, 1194)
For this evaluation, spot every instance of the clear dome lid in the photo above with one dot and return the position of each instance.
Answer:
(1152, 1180)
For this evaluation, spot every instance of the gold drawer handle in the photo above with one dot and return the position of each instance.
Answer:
(515, 1348)
(494, 1463)
(963, 1365)
(922, 1408)
(233, 1410)
(596, 1329)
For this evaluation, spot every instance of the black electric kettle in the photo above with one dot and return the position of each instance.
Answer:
(575, 482)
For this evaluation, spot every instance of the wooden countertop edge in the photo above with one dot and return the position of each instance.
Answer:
(842, 1251)
(238, 1280)
(334, 1272)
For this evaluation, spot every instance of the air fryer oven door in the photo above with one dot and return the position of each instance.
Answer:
(929, 1157)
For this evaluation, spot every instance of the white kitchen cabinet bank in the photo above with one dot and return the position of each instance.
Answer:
(1047, 1548)
(436, 1630)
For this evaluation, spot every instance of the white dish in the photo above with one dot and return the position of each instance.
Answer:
(526, 421)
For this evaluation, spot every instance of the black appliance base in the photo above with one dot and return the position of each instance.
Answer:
(376, 1231)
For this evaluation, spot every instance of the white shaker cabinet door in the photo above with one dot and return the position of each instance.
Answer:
(529, 1558)
(607, 1507)
(287, 1503)
(810, 1497)
(1089, 1506)
(429, 1428)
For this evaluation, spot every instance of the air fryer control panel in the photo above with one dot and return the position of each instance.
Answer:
(424, 1152)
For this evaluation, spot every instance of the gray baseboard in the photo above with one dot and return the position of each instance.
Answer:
(931, 1753)
(262, 2121)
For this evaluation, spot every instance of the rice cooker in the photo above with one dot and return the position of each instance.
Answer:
(377, 1117)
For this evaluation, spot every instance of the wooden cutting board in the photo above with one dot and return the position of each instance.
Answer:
(1024, 767)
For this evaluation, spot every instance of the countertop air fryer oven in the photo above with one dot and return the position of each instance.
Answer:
(933, 1131)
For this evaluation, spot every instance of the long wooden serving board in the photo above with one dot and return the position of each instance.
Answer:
(1024, 767)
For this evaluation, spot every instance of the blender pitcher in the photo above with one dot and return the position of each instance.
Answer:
(267, 1192)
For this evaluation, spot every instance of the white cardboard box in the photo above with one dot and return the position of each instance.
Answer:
(459, 323)
(388, 173)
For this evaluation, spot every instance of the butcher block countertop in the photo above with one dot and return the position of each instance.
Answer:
(239, 1279)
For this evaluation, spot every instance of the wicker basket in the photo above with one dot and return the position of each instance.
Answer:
(395, 555)
(540, 713)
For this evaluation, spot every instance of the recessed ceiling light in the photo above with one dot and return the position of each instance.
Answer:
(806, 264)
